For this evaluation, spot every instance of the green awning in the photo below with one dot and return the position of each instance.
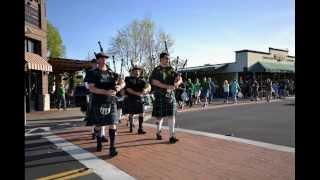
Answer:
(272, 67)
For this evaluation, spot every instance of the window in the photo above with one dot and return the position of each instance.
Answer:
(32, 13)
(33, 46)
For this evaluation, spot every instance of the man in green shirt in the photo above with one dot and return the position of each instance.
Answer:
(205, 90)
(197, 88)
(61, 96)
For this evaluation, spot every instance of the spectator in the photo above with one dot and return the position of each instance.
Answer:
(281, 89)
(179, 91)
(197, 91)
(268, 89)
(212, 90)
(255, 87)
(190, 91)
(226, 91)
(205, 90)
(275, 87)
(61, 97)
(235, 88)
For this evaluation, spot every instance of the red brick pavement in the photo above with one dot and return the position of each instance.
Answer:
(193, 157)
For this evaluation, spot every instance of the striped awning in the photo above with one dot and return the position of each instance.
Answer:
(36, 62)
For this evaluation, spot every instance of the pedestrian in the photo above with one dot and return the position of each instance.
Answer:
(212, 90)
(235, 88)
(61, 96)
(255, 89)
(164, 79)
(134, 102)
(120, 101)
(226, 91)
(281, 89)
(178, 94)
(268, 89)
(205, 90)
(190, 92)
(104, 84)
(197, 91)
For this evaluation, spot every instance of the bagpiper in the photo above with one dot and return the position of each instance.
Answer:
(134, 102)
(103, 83)
(165, 80)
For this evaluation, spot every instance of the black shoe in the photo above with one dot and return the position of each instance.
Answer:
(173, 140)
(159, 137)
(141, 131)
(99, 147)
(113, 152)
(104, 139)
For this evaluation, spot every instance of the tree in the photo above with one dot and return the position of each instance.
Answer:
(55, 45)
(138, 43)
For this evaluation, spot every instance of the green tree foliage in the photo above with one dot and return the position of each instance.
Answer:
(55, 44)
(140, 43)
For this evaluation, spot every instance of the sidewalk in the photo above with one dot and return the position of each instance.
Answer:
(75, 113)
(193, 157)
(55, 114)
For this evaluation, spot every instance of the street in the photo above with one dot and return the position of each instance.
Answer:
(272, 123)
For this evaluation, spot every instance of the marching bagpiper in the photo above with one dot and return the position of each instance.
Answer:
(104, 84)
(95, 132)
(134, 102)
(165, 80)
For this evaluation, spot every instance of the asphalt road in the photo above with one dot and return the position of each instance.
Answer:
(272, 123)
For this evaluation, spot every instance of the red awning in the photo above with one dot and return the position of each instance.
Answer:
(36, 62)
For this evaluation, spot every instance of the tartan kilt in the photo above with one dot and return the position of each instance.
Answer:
(102, 115)
(164, 106)
(132, 106)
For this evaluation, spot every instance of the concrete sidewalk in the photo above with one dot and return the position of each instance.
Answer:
(195, 156)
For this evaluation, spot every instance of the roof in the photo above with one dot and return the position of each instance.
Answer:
(261, 52)
(60, 65)
(36, 62)
(203, 68)
(272, 67)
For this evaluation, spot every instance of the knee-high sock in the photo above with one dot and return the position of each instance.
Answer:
(159, 125)
(112, 135)
(93, 130)
(171, 123)
(102, 131)
(130, 121)
(140, 122)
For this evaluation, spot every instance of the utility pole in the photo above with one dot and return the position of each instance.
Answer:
(114, 64)
(121, 66)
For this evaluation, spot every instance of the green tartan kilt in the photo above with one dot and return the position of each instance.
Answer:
(98, 116)
(164, 106)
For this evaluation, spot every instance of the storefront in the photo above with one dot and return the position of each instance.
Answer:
(70, 73)
(36, 82)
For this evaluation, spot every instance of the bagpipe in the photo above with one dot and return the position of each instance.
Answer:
(147, 98)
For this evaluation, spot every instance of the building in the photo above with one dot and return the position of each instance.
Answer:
(276, 64)
(36, 66)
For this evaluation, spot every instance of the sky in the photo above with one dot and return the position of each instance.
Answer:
(204, 31)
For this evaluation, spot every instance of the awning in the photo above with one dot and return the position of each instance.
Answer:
(36, 62)
(272, 67)
(205, 68)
